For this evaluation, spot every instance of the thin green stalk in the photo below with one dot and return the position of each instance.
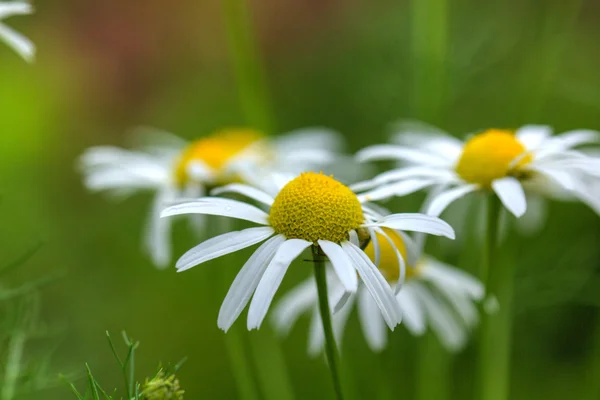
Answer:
(429, 52)
(592, 379)
(247, 64)
(495, 340)
(241, 369)
(330, 346)
(270, 366)
(491, 237)
(433, 366)
(13, 365)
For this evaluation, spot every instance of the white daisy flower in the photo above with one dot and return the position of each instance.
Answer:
(172, 168)
(435, 295)
(14, 39)
(505, 162)
(312, 210)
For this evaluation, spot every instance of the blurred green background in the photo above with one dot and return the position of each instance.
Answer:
(355, 66)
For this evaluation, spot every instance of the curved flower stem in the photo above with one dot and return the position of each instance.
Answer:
(330, 346)
(495, 340)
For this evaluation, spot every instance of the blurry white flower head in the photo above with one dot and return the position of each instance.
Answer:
(434, 294)
(509, 163)
(311, 210)
(12, 38)
(173, 168)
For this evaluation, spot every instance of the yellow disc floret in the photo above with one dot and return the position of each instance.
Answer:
(388, 262)
(216, 152)
(316, 207)
(490, 155)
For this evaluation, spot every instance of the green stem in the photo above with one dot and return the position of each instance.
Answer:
(433, 365)
(330, 346)
(592, 378)
(241, 369)
(247, 64)
(13, 365)
(495, 340)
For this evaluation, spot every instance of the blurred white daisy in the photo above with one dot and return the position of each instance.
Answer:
(310, 210)
(12, 38)
(172, 169)
(508, 163)
(435, 295)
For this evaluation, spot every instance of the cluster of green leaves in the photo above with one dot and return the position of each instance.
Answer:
(162, 386)
(21, 369)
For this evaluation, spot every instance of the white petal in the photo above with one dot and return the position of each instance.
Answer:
(461, 304)
(245, 190)
(511, 193)
(532, 136)
(413, 250)
(223, 244)
(562, 177)
(246, 282)
(371, 322)
(341, 264)
(444, 199)
(447, 275)
(412, 312)
(157, 241)
(375, 284)
(316, 336)
(393, 152)
(198, 171)
(401, 263)
(8, 9)
(449, 332)
(575, 138)
(296, 302)
(309, 138)
(376, 247)
(402, 188)
(219, 206)
(271, 279)
(416, 222)
(18, 42)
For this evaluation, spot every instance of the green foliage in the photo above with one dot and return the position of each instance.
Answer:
(162, 386)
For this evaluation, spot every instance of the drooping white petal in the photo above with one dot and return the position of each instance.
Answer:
(157, 240)
(401, 188)
(444, 274)
(412, 311)
(8, 9)
(246, 190)
(532, 136)
(341, 264)
(401, 262)
(562, 177)
(246, 282)
(353, 237)
(218, 206)
(375, 284)
(371, 322)
(309, 138)
(461, 304)
(512, 195)
(223, 244)
(271, 279)
(199, 171)
(449, 332)
(439, 203)
(316, 336)
(413, 250)
(18, 42)
(394, 152)
(416, 222)
(296, 302)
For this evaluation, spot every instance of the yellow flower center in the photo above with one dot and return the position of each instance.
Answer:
(388, 262)
(489, 156)
(216, 151)
(316, 207)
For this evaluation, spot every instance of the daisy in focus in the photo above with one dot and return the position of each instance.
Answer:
(172, 168)
(312, 210)
(435, 295)
(12, 38)
(508, 163)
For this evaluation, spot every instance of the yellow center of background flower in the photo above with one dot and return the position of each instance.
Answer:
(216, 151)
(388, 262)
(316, 207)
(488, 156)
